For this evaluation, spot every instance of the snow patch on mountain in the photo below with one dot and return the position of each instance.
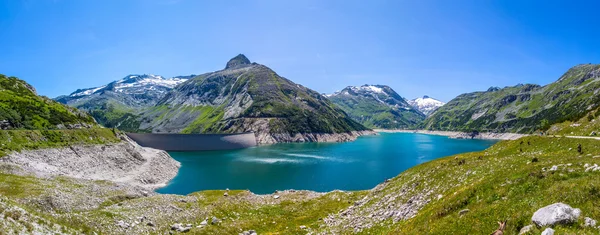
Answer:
(370, 88)
(136, 84)
(364, 89)
(149, 83)
(87, 91)
(426, 104)
(373, 89)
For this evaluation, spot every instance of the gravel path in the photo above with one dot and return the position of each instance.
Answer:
(583, 137)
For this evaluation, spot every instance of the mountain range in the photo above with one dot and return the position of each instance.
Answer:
(243, 97)
(377, 106)
(247, 96)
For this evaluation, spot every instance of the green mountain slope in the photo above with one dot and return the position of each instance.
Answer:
(589, 125)
(29, 121)
(110, 109)
(377, 106)
(22, 108)
(522, 108)
(247, 97)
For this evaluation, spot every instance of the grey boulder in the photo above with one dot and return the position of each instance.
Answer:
(557, 213)
(181, 228)
(589, 222)
(122, 224)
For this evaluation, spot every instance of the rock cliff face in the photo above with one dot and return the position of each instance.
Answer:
(311, 137)
(124, 162)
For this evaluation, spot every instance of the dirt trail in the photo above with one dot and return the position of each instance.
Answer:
(582, 137)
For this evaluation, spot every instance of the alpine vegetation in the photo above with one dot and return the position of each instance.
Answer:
(523, 108)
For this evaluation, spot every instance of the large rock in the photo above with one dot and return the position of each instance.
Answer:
(589, 222)
(122, 224)
(215, 220)
(181, 228)
(558, 213)
(5, 125)
(250, 232)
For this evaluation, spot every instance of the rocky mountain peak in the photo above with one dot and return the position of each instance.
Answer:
(426, 105)
(494, 88)
(237, 61)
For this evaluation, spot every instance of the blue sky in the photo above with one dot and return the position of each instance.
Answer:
(437, 48)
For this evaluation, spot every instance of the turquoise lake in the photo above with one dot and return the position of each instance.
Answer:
(322, 167)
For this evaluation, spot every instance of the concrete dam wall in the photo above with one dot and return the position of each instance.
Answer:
(194, 142)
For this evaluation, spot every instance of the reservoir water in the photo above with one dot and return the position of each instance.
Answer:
(322, 167)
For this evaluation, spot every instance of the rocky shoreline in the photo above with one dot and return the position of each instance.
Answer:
(127, 162)
(461, 135)
(265, 138)
(124, 162)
